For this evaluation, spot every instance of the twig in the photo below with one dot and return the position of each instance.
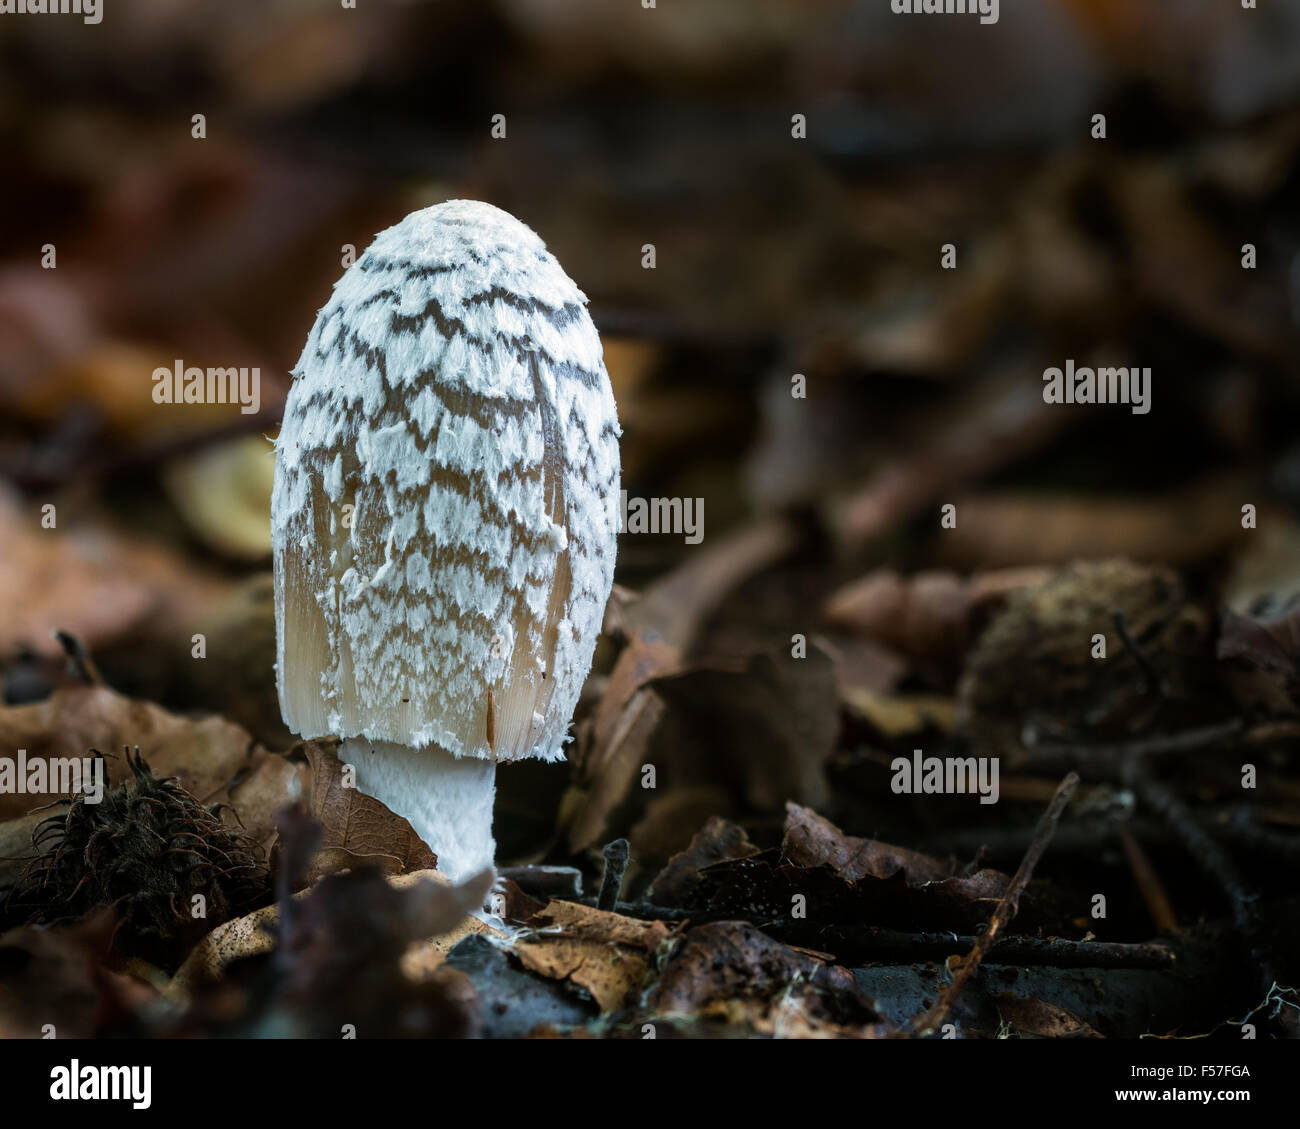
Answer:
(79, 660)
(1243, 829)
(964, 969)
(1211, 857)
(1153, 892)
(1154, 681)
(616, 856)
(888, 946)
(1216, 862)
(1110, 759)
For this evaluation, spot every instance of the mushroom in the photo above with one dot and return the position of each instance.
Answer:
(444, 518)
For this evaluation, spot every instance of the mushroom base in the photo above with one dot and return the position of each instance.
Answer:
(446, 799)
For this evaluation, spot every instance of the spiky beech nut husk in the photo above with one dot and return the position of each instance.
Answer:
(444, 517)
(145, 850)
(1036, 672)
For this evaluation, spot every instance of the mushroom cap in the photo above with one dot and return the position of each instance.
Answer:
(445, 508)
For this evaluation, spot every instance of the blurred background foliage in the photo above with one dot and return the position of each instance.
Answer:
(775, 256)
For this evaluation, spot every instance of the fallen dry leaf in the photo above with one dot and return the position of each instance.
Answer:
(663, 624)
(87, 579)
(604, 953)
(205, 753)
(1263, 650)
(811, 840)
(255, 934)
(848, 881)
(903, 714)
(797, 1012)
(730, 959)
(357, 823)
(625, 721)
(771, 726)
(224, 494)
(53, 985)
(1041, 1018)
(715, 841)
(1179, 527)
(930, 616)
(865, 666)
(237, 675)
(670, 820)
(267, 783)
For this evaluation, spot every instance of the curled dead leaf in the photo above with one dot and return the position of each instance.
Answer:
(811, 840)
(604, 953)
(357, 825)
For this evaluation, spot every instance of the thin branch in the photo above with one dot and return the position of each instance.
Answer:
(1109, 760)
(616, 859)
(964, 969)
(79, 660)
(889, 946)
(1216, 863)
(1154, 681)
(1148, 881)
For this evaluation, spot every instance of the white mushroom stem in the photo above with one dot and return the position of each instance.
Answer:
(446, 799)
